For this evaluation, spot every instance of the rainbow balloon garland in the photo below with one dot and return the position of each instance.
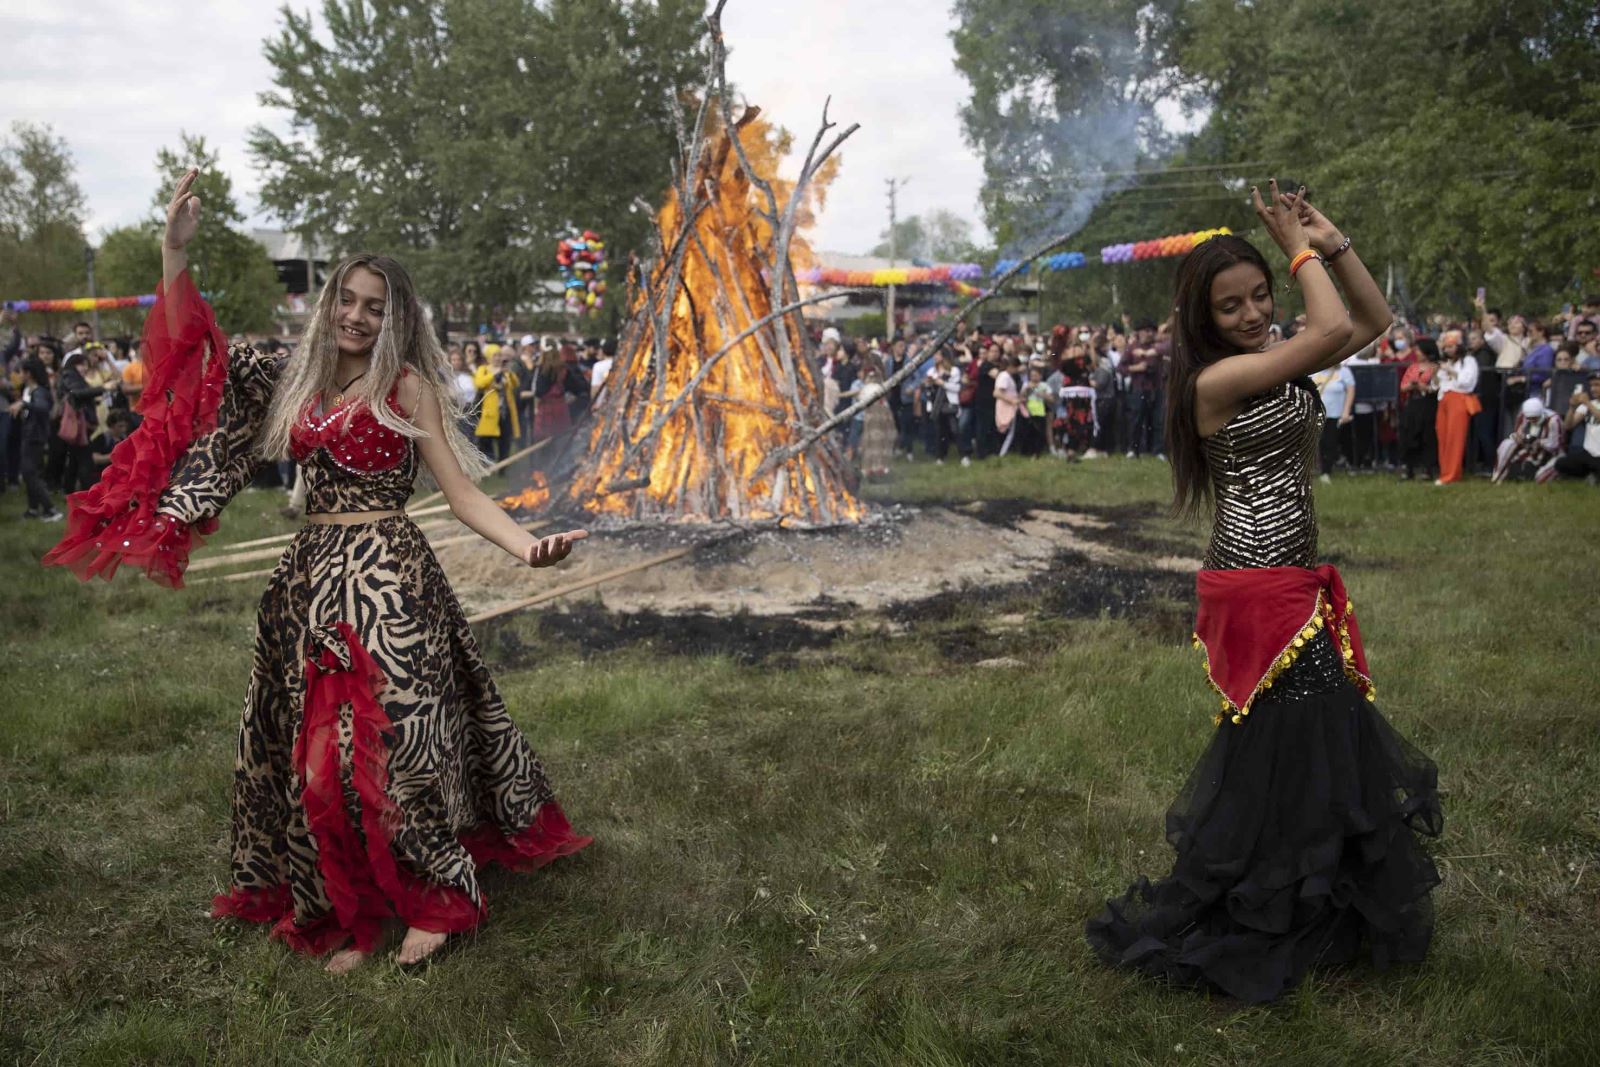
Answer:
(958, 276)
(83, 303)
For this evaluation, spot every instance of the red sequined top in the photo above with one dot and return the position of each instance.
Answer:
(351, 461)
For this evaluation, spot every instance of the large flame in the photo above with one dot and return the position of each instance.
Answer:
(701, 464)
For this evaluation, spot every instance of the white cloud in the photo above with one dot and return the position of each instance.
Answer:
(888, 65)
(119, 80)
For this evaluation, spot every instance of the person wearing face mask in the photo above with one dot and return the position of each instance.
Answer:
(1419, 409)
(1457, 379)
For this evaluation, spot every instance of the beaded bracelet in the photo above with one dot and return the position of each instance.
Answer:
(1337, 252)
(1301, 260)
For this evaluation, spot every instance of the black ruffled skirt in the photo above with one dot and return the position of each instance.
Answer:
(1297, 837)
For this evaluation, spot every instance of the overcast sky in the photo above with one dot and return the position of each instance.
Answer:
(118, 79)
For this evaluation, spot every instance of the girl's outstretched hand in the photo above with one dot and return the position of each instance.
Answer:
(1324, 235)
(183, 212)
(551, 550)
(1281, 215)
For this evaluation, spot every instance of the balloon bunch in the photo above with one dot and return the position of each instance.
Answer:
(83, 303)
(580, 259)
(1176, 245)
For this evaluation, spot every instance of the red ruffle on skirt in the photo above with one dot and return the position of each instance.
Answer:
(549, 838)
(362, 879)
(114, 521)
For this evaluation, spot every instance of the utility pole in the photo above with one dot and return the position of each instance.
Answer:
(895, 185)
(88, 263)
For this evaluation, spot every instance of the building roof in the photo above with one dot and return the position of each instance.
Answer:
(286, 244)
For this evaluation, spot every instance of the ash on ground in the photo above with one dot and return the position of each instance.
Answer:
(752, 592)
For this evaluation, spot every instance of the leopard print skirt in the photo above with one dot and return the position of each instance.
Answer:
(377, 765)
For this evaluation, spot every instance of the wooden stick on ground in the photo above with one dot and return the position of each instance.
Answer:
(280, 540)
(226, 554)
(580, 585)
(269, 553)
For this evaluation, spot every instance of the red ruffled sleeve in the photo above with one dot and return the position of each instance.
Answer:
(115, 521)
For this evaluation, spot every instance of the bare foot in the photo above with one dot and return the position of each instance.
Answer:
(418, 945)
(346, 960)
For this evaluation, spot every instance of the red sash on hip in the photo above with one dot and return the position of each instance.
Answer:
(1253, 623)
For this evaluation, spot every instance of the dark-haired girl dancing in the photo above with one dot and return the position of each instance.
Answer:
(1296, 834)
(377, 769)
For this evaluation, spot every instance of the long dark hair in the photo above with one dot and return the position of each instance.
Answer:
(1196, 344)
(33, 367)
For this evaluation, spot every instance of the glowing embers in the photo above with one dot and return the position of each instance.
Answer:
(534, 497)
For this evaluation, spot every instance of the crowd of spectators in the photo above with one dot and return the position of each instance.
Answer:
(1527, 405)
(64, 405)
(1526, 400)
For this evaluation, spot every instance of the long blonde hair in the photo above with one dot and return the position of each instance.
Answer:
(404, 341)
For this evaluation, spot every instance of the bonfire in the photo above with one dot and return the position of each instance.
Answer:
(707, 413)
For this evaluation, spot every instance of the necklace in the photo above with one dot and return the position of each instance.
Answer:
(338, 398)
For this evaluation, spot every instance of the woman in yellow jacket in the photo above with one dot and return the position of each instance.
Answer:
(497, 385)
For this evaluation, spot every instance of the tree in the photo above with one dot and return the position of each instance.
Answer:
(467, 138)
(943, 237)
(1063, 100)
(229, 266)
(1459, 154)
(128, 262)
(1456, 155)
(41, 220)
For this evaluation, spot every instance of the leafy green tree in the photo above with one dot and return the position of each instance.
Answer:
(943, 236)
(41, 222)
(128, 262)
(1451, 139)
(1461, 151)
(227, 264)
(1062, 102)
(467, 137)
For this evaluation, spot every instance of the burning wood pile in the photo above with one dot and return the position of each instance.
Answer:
(710, 409)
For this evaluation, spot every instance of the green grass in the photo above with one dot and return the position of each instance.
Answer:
(875, 854)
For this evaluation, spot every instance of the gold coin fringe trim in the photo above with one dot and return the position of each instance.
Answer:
(1322, 617)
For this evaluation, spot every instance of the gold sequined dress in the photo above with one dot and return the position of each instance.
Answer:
(1297, 833)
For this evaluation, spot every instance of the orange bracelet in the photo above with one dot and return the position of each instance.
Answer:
(1301, 260)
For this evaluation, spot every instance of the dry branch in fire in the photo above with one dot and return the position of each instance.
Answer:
(715, 372)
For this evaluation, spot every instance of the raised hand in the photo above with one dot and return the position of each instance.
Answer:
(1281, 216)
(183, 212)
(1324, 235)
(553, 549)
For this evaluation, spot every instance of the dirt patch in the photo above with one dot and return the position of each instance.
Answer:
(976, 574)
(909, 554)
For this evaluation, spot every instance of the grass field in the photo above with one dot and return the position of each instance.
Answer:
(877, 852)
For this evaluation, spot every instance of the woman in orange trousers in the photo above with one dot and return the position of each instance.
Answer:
(1458, 381)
